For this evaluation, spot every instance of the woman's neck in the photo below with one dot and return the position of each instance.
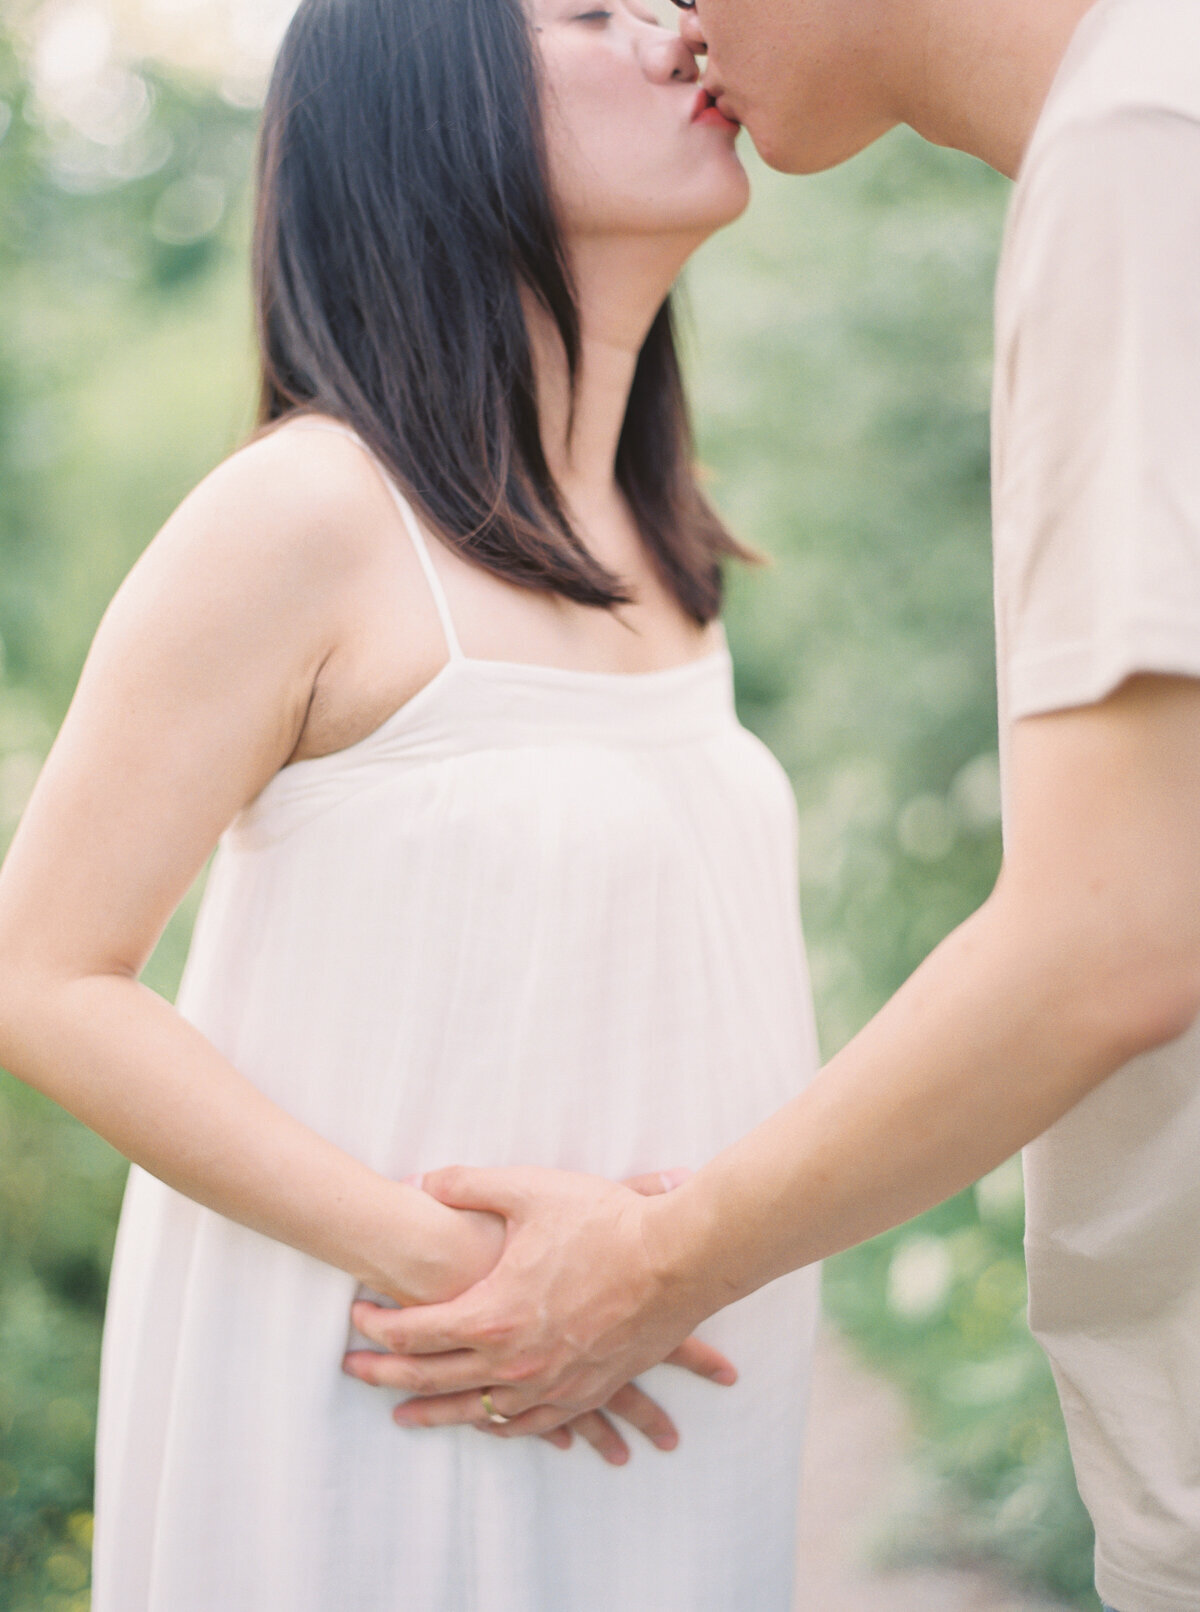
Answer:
(620, 285)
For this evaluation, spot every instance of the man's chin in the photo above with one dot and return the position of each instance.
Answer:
(809, 150)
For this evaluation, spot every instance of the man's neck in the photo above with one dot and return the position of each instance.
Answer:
(976, 73)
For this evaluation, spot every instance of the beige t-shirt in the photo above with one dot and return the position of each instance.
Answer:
(1097, 533)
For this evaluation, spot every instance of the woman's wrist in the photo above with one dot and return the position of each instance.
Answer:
(424, 1253)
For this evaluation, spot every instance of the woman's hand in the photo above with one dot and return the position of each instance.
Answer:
(628, 1404)
(460, 1248)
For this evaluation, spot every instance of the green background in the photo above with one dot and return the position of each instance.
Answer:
(839, 344)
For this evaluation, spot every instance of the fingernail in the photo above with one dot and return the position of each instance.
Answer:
(406, 1416)
(351, 1366)
(726, 1376)
(667, 1441)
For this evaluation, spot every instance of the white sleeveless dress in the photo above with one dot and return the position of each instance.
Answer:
(539, 916)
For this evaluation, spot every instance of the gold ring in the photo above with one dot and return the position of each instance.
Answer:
(497, 1418)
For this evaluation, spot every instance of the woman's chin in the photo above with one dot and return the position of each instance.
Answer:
(731, 201)
(744, 191)
(697, 212)
(720, 203)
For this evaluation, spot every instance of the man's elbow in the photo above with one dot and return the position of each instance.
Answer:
(1117, 964)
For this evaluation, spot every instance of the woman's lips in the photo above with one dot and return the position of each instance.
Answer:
(706, 110)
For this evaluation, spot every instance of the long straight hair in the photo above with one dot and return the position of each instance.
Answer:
(403, 210)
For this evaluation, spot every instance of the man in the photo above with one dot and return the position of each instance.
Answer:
(1066, 1008)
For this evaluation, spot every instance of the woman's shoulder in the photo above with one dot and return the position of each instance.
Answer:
(298, 492)
(279, 544)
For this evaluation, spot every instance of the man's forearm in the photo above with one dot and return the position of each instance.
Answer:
(993, 1039)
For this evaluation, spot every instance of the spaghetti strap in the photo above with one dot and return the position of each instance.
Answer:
(413, 527)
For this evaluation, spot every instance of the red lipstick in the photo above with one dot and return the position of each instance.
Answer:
(706, 110)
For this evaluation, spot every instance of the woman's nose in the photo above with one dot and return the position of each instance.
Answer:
(667, 59)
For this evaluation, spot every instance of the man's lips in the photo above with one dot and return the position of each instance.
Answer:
(707, 110)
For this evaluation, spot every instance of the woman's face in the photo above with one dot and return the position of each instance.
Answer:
(633, 150)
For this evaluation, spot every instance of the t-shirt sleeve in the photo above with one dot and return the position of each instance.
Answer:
(1097, 506)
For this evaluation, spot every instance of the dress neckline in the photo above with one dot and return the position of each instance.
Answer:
(540, 668)
(599, 682)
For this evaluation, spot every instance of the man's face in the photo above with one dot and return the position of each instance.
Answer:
(802, 75)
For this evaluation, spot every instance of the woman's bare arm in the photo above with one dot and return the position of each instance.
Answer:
(194, 695)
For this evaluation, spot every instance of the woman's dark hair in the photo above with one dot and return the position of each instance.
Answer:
(403, 204)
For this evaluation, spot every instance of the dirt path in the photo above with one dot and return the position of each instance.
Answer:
(855, 1461)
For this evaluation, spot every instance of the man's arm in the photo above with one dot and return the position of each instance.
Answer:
(1086, 954)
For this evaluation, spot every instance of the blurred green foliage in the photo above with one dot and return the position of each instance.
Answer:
(841, 353)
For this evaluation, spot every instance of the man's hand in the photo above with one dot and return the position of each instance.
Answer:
(581, 1301)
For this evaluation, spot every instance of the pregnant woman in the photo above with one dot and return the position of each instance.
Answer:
(435, 663)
